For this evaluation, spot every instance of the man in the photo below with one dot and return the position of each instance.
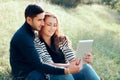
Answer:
(24, 59)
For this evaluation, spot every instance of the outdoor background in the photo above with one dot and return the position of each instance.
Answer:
(88, 19)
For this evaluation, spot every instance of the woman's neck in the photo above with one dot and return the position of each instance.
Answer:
(47, 40)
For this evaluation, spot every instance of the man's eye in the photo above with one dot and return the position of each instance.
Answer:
(40, 19)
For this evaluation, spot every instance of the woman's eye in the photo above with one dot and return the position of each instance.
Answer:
(55, 25)
(48, 24)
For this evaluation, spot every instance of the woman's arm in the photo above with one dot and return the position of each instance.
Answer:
(45, 56)
(42, 51)
(63, 65)
(67, 50)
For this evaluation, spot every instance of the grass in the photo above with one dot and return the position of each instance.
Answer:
(84, 22)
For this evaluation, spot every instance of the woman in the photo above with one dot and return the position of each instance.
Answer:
(55, 49)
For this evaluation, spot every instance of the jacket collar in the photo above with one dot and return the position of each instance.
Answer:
(29, 28)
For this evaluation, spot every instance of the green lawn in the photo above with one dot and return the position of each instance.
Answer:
(84, 22)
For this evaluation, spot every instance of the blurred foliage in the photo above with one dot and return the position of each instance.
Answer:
(117, 6)
(114, 4)
(66, 3)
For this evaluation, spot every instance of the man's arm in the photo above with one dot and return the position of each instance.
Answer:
(26, 46)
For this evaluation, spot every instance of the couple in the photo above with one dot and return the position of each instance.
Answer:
(32, 57)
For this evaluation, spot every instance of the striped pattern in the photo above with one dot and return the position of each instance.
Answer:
(67, 50)
(41, 48)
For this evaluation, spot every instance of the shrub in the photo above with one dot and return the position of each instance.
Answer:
(66, 3)
(106, 2)
(117, 6)
(86, 1)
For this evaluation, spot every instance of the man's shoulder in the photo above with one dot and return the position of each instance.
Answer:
(21, 34)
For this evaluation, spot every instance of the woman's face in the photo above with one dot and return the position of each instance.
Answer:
(49, 26)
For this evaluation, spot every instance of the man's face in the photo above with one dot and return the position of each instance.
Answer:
(37, 22)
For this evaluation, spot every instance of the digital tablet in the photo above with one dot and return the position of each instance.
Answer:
(83, 47)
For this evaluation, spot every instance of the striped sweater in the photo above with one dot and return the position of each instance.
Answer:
(44, 55)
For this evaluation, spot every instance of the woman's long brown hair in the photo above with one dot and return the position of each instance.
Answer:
(57, 37)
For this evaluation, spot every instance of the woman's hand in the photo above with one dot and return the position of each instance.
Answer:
(88, 58)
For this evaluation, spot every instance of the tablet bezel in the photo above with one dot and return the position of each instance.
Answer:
(83, 47)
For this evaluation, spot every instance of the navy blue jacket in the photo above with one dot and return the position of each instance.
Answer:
(23, 56)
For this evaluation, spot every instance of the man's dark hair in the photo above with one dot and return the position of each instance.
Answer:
(32, 10)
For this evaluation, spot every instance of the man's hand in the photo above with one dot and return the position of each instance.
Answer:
(74, 66)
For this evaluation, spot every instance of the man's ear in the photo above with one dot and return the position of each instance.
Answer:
(29, 20)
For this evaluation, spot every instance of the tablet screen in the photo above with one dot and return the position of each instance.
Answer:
(83, 47)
